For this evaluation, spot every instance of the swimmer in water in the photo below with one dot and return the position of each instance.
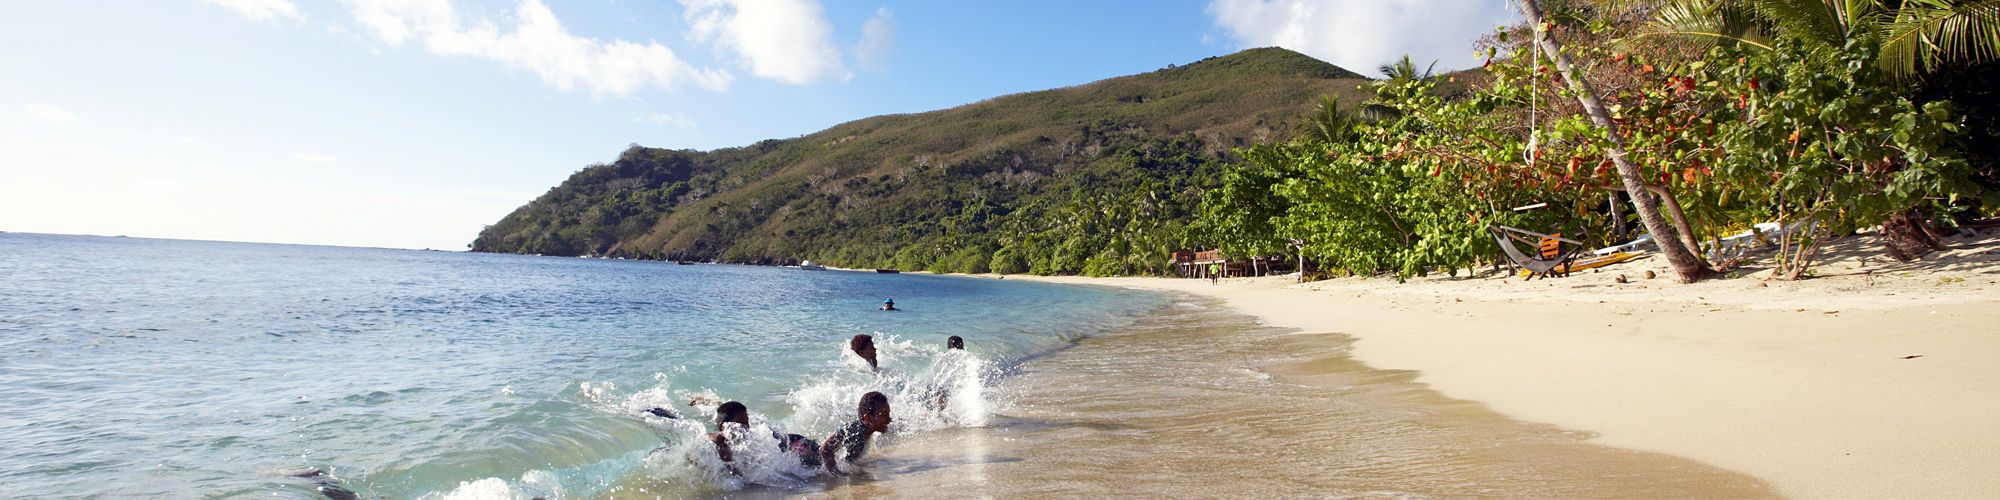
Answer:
(940, 395)
(855, 437)
(864, 346)
(734, 412)
(889, 305)
(323, 483)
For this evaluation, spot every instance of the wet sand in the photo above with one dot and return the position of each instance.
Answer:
(1873, 379)
(1200, 401)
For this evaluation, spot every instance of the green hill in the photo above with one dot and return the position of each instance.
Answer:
(1098, 178)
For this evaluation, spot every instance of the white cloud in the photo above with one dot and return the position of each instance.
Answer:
(1362, 34)
(537, 42)
(664, 119)
(50, 112)
(878, 39)
(315, 157)
(261, 10)
(785, 40)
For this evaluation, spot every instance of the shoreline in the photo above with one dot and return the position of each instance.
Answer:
(1158, 407)
(1808, 385)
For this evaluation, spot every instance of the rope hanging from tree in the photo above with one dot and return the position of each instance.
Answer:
(1534, 93)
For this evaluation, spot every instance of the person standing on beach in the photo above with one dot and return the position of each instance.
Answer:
(855, 437)
(1214, 273)
(864, 346)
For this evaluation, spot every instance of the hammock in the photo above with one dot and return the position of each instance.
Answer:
(1552, 257)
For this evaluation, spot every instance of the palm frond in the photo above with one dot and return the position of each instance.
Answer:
(1820, 21)
(1326, 123)
(1711, 22)
(1927, 33)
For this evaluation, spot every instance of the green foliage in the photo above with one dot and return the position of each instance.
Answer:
(1827, 136)
(1008, 260)
(1905, 37)
(1241, 216)
(1793, 131)
(1406, 69)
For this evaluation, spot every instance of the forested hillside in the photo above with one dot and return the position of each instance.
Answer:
(1101, 178)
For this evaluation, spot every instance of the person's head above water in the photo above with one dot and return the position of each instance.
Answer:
(875, 411)
(954, 343)
(732, 412)
(888, 304)
(864, 346)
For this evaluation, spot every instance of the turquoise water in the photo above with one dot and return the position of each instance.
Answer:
(139, 367)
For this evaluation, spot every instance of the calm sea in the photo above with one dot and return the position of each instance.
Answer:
(142, 367)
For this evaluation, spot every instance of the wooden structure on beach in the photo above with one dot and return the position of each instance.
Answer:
(1196, 263)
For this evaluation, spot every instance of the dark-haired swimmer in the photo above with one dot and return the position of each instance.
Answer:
(940, 395)
(735, 413)
(863, 346)
(855, 437)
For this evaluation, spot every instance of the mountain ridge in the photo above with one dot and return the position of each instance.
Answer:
(910, 189)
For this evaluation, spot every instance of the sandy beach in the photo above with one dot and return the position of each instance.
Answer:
(1872, 379)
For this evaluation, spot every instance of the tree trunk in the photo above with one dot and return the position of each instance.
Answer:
(1618, 229)
(1907, 238)
(1678, 218)
(1685, 263)
(1673, 213)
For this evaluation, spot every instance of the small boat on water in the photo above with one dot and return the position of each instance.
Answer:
(811, 266)
(683, 263)
(887, 271)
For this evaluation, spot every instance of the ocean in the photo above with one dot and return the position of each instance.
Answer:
(161, 368)
(142, 367)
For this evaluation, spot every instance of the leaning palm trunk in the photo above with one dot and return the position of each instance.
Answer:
(1673, 213)
(1689, 266)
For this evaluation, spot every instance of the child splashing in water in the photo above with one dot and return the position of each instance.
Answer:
(929, 392)
(735, 413)
(742, 452)
(864, 346)
(851, 441)
(729, 440)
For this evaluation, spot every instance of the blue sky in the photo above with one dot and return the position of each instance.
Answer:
(412, 123)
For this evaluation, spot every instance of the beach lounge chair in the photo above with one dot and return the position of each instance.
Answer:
(1551, 257)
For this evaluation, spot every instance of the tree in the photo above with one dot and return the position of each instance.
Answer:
(1911, 37)
(1327, 124)
(1405, 69)
(1907, 39)
(1685, 262)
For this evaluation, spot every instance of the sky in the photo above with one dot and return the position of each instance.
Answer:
(414, 123)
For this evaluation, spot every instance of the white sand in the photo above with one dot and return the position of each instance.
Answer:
(1803, 384)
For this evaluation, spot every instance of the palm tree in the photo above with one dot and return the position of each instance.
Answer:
(1398, 71)
(1405, 69)
(1327, 124)
(1689, 266)
(1913, 36)
(1937, 40)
